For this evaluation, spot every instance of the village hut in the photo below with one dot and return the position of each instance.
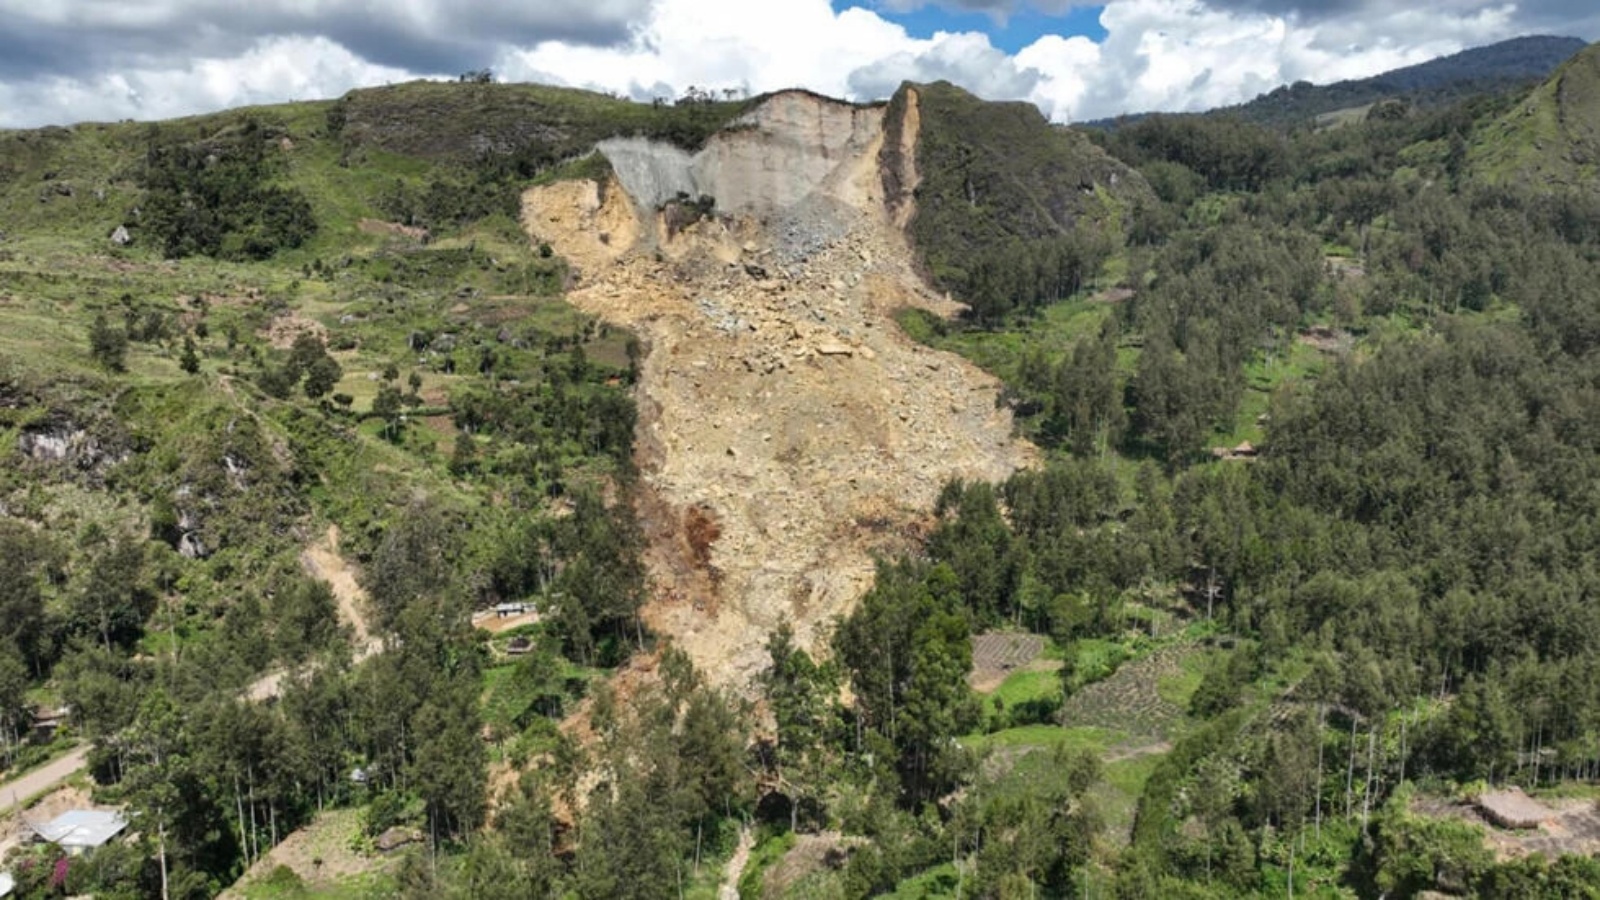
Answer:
(1512, 808)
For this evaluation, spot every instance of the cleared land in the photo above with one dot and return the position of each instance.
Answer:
(1572, 827)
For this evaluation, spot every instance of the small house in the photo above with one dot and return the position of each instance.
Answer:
(47, 720)
(79, 831)
(507, 610)
(395, 838)
(1512, 809)
(7, 884)
(519, 646)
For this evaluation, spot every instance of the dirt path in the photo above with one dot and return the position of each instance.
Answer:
(736, 863)
(323, 561)
(789, 429)
(18, 791)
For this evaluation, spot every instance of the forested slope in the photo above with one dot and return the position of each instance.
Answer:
(1387, 590)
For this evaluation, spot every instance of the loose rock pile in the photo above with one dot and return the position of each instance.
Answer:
(780, 399)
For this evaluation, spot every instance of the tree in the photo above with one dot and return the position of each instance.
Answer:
(799, 693)
(448, 769)
(113, 599)
(14, 715)
(414, 561)
(321, 376)
(975, 542)
(908, 652)
(386, 406)
(189, 360)
(22, 609)
(108, 345)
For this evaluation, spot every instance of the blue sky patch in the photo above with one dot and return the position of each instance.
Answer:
(1018, 30)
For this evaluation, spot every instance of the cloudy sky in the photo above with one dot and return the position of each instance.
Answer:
(64, 61)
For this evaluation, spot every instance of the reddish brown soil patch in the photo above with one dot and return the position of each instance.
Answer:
(282, 331)
(1113, 295)
(701, 530)
(394, 229)
(810, 853)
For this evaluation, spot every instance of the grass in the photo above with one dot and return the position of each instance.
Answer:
(1082, 738)
(999, 350)
(1021, 687)
(356, 887)
(768, 850)
(1548, 138)
(937, 882)
(1117, 796)
(1178, 687)
(1264, 375)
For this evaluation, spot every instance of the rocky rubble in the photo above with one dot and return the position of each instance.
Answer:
(779, 399)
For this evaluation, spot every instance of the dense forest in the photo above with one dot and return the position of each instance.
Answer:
(1320, 421)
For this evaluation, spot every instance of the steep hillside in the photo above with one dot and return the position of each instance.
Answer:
(991, 191)
(1550, 141)
(757, 246)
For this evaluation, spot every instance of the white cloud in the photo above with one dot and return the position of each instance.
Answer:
(274, 70)
(1157, 55)
(95, 59)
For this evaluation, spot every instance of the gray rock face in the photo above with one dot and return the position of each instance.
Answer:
(792, 147)
(652, 173)
(191, 547)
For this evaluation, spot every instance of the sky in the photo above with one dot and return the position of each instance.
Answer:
(65, 61)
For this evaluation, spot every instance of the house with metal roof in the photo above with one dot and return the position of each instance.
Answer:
(7, 884)
(80, 830)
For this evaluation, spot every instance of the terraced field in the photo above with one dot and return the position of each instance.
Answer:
(996, 655)
(1131, 699)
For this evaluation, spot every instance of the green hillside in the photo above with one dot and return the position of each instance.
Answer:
(1011, 212)
(1551, 141)
(1509, 66)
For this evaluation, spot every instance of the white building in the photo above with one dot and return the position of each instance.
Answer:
(80, 830)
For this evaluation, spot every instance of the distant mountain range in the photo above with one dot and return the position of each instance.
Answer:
(1519, 62)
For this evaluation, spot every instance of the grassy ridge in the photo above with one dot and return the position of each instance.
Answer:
(1551, 140)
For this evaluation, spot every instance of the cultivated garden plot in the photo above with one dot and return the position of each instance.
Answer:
(997, 654)
(1131, 699)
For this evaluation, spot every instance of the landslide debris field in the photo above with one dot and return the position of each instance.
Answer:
(789, 429)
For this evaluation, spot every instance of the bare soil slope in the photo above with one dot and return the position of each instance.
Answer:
(789, 429)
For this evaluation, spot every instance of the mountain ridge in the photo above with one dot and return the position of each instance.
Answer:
(1492, 68)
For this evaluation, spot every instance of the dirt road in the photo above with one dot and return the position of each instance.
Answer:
(323, 562)
(18, 791)
(741, 858)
